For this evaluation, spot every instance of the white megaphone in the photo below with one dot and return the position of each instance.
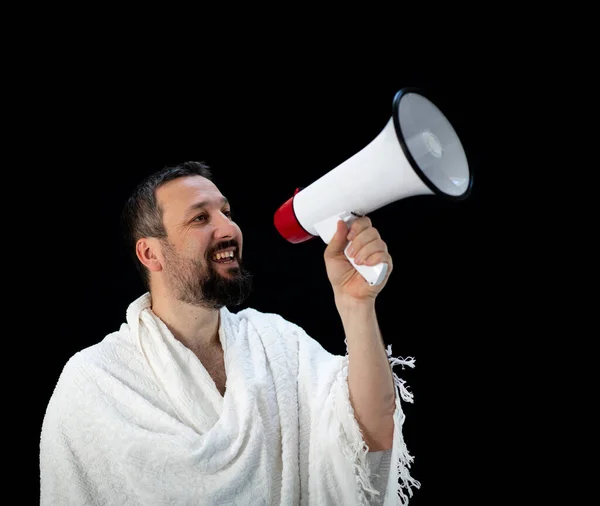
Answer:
(417, 153)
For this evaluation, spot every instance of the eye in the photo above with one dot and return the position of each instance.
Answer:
(200, 217)
(228, 213)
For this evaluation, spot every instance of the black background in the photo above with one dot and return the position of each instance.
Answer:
(268, 123)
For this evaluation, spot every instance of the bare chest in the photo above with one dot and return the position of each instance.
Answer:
(214, 363)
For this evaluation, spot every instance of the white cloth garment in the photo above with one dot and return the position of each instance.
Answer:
(137, 420)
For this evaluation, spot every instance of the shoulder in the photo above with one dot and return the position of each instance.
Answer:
(275, 325)
(113, 351)
(86, 372)
(262, 320)
(84, 359)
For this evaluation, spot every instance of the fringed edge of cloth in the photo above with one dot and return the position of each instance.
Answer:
(355, 449)
(404, 460)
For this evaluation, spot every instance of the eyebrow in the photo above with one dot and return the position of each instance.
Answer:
(202, 205)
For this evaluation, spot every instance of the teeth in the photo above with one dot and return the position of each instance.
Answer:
(226, 254)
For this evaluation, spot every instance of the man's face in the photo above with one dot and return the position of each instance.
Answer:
(202, 255)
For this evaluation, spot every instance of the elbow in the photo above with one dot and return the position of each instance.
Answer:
(382, 438)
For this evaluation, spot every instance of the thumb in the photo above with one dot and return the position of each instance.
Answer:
(339, 240)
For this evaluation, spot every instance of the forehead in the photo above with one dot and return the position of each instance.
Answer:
(176, 197)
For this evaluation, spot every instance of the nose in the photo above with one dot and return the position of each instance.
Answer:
(224, 227)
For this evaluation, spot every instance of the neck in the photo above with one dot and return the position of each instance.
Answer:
(195, 327)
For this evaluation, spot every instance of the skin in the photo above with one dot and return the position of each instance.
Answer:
(370, 380)
(366, 248)
(191, 232)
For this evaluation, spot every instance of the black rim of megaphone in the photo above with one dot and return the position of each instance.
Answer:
(396, 104)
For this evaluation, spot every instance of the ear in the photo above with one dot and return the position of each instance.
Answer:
(147, 251)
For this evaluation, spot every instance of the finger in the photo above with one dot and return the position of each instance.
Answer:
(358, 225)
(370, 249)
(339, 241)
(377, 258)
(361, 240)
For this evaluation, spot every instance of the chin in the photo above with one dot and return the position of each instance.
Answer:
(230, 271)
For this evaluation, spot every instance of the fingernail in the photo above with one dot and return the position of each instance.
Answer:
(350, 251)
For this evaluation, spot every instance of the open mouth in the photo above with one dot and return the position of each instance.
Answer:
(224, 257)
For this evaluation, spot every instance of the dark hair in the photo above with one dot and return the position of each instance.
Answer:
(143, 217)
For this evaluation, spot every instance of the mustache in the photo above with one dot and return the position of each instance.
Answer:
(223, 245)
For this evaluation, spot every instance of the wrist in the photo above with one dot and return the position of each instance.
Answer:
(349, 307)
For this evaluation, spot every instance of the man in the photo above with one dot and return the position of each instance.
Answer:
(190, 403)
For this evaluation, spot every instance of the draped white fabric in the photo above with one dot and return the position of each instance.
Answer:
(137, 420)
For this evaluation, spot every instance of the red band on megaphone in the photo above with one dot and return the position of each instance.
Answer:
(287, 224)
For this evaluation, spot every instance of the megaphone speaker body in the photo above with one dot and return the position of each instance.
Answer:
(417, 153)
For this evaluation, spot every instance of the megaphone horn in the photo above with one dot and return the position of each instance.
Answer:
(418, 152)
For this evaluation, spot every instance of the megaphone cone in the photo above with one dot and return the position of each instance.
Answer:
(418, 152)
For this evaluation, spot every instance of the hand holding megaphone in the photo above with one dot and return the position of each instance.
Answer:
(373, 274)
(417, 153)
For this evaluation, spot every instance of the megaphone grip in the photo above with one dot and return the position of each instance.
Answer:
(373, 274)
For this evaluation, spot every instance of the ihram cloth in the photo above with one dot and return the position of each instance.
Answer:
(137, 420)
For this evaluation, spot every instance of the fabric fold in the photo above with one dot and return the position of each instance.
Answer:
(136, 419)
(339, 455)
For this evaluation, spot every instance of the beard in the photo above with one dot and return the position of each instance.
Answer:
(197, 282)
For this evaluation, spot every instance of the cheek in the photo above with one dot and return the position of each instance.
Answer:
(193, 245)
(240, 237)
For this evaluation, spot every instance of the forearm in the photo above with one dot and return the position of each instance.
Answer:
(370, 380)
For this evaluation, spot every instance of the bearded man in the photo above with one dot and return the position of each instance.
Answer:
(190, 403)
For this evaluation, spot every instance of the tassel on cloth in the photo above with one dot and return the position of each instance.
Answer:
(400, 383)
(356, 450)
(403, 458)
(351, 440)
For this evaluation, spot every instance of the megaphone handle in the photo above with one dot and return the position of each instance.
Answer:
(373, 274)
